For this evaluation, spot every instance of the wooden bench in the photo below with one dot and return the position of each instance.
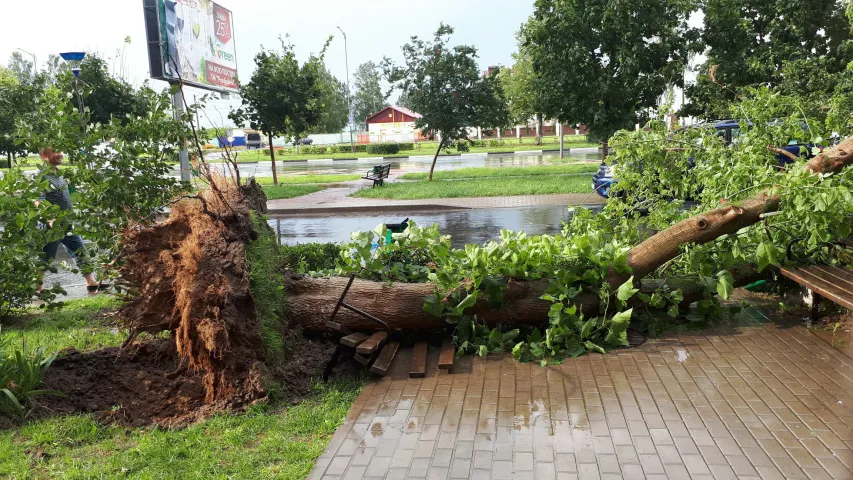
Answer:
(378, 174)
(832, 283)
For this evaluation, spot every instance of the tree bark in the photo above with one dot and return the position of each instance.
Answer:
(272, 159)
(435, 158)
(605, 148)
(538, 129)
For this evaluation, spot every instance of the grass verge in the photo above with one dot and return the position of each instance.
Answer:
(265, 442)
(305, 179)
(288, 191)
(482, 187)
(481, 172)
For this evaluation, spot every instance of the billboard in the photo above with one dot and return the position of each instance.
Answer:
(191, 40)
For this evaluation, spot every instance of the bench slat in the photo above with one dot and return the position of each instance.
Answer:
(371, 344)
(386, 356)
(354, 339)
(448, 354)
(827, 282)
(822, 287)
(840, 277)
(419, 357)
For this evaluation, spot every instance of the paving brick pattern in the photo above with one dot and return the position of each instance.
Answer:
(767, 400)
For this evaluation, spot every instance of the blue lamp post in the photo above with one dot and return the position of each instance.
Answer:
(75, 59)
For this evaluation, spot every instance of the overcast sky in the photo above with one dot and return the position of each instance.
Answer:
(375, 28)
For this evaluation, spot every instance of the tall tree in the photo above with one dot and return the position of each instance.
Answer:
(106, 97)
(334, 103)
(520, 86)
(602, 62)
(445, 87)
(282, 96)
(53, 68)
(18, 101)
(756, 42)
(368, 98)
(23, 69)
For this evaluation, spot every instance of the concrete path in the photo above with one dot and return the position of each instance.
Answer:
(333, 200)
(767, 400)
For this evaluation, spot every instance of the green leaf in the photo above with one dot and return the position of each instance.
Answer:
(433, 306)
(725, 284)
(469, 301)
(618, 325)
(518, 350)
(626, 290)
(593, 347)
(483, 351)
(587, 327)
(511, 335)
(672, 311)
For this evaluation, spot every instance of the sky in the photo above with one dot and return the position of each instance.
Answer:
(374, 28)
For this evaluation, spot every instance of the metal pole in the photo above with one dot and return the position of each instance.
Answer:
(184, 155)
(349, 92)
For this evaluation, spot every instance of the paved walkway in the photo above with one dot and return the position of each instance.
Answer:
(331, 200)
(767, 400)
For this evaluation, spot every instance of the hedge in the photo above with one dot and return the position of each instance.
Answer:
(384, 148)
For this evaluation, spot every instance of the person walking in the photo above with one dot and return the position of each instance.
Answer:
(59, 195)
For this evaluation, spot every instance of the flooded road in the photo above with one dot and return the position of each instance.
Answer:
(464, 226)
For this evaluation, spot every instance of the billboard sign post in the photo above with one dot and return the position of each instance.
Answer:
(191, 42)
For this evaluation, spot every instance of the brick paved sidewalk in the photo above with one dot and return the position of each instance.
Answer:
(338, 199)
(767, 400)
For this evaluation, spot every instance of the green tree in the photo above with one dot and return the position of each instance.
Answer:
(522, 92)
(603, 62)
(334, 103)
(443, 85)
(776, 42)
(105, 96)
(23, 69)
(18, 102)
(282, 96)
(368, 98)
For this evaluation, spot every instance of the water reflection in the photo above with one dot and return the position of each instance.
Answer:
(464, 226)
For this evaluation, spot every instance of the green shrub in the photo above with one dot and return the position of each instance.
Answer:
(495, 143)
(266, 151)
(280, 151)
(407, 146)
(21, 373)
(313, 150)
(383, 148)
(310, 257)
(347, 148)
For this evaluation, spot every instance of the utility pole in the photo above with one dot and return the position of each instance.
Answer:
(184, 155)
(349, 92)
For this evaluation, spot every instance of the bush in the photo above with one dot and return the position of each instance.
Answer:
(346, 148)
(310, 257)
(280, 151)
(266, 151)
(21, 373)
(407, 146)
(495, 143)
(312, 150)
(383, 148)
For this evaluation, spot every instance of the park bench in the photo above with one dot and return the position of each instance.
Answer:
(377, 349)
(831, 283)
(378, 174)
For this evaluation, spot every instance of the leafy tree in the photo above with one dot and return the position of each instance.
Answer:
(106, 97)
(18, 102)
(603, 62)
(282, 97)
(522, 92)
(368, 98)
(403, 100)
(777, 42)
(444, 85)
(54, 67)
(496, 112)
(334, 103)
(23, 69)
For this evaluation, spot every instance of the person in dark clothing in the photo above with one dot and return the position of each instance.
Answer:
(59, 195)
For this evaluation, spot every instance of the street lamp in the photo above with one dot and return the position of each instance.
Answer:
(349, 92)
(75, 59)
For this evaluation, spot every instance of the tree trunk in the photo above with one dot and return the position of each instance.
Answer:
(435, 158)
(310, 302)
(605, 148)
(9, 159)
(538, 129)
(562, 139)
(272, 159)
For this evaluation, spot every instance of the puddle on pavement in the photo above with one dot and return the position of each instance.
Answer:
(464, 226)
(681, 355)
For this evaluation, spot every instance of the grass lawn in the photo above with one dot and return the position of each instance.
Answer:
(267, 441)
(481, 187)
(480, 172)
(288, 191)
(302, 179)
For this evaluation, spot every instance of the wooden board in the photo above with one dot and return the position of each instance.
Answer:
(448, 354)
(419, 357)
(841, 277)
(371, 344)
(354, 339)
(363, 359)
(820, 283)
(337, 327)
(386, 356)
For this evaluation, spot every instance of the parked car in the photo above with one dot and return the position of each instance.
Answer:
(254, 140)
(304, 141)
(605, 178)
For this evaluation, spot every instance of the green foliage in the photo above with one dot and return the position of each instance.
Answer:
(596, 62)
(444, 85)
(21, 374)
(105, 96)
(333, 103)
(384, 148)
(266, 281)
(799, 45)
(368, 98)
(311, 150)
(276, 192)
(522, 91)
(479, 172)
(310, 257)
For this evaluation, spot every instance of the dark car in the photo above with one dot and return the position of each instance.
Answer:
(304, 141)
(729, 130)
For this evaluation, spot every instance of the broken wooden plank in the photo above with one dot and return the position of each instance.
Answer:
(419, 357)
(354, 339)
(337, 327)
(364, 360)
(448, 354)
(386, 356)
(372, 344)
